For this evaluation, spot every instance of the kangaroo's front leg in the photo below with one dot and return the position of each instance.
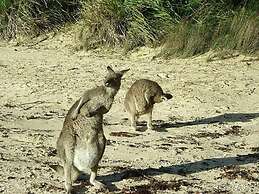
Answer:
(81, 102)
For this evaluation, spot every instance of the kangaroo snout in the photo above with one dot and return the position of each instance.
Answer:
(167, 96)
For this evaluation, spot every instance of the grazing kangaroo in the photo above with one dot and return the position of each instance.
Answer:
(81, 143)
(140, 99)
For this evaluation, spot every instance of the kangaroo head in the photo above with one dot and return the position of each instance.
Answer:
(113, 79)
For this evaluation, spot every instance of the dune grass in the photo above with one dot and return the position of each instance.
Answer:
(33, 17)
(183, 27)
(122, 23)
(237, 31)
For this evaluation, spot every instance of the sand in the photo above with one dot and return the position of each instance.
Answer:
(206, 139)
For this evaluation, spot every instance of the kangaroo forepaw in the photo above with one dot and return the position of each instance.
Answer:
(74, 115)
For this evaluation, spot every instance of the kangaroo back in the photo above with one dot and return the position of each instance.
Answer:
(141, 97)
(143, 93)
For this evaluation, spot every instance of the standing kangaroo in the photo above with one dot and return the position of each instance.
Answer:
(140, 99)
(81, 143)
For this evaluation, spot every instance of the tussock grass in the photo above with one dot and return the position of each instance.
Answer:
(241, 32)
(236, 31)
(123, 23)
(32, 17)
(184, 27)
(187, 40)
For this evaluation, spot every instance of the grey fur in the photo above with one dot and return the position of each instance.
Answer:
(81, 143)
(101, 96)
(140, 100)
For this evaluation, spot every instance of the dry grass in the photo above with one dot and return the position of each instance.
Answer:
(33, 17)
(126, 24)
(239, 32)
(186, 28)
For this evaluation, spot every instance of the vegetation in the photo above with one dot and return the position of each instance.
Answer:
(32, 17)
(216, 25)
(183, 27)
(129, 23)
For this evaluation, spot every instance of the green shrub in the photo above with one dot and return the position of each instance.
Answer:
(4, 4)
(183, 27)
(128, 23)
(240, 32)
(219, 24)
(32, 17)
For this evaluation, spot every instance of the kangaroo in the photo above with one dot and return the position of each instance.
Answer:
(140, 99)
(100, 96)
(81, 143)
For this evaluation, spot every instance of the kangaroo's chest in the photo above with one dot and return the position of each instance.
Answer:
(88, 154)
(100, 101)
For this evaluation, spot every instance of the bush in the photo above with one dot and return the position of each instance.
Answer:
(240, 32)
(219, 24)
(183, 27)
(32, 17)
(125, 23)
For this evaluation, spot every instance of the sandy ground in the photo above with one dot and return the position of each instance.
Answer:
(206, 139)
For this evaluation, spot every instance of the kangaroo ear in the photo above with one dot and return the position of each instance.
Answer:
(110, 70)
(124, 71)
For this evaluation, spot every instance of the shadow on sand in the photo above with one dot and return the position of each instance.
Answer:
(161, 125)
(192, 167)
(184, 169)
(178, 169)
